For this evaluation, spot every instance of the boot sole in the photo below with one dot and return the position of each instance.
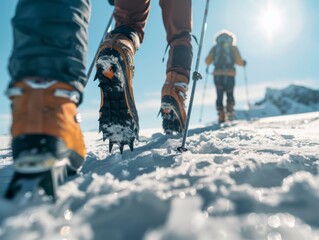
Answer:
(172, 122)
(33, 148)
(37, 163)
(118, 113)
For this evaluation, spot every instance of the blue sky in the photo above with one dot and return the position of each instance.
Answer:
(279, 40)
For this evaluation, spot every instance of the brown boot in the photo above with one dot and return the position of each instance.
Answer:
(45, 130)
(221, 116)
(173, 102)
(230, 111)
(115, 70)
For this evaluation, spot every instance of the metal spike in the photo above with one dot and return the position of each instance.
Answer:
(131, 145)
(121, 147)
(96, 76)
(98, 73)
(110, 145)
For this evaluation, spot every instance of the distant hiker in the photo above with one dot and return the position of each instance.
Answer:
(224, 55)
(47, 68)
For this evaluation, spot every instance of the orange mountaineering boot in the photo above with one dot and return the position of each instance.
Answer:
(173, 102)
(47, 142)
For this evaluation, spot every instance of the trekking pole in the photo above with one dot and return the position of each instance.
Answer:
(246, 86)
(203, 99)
(107, 29)
(196, 76)
(247, 94)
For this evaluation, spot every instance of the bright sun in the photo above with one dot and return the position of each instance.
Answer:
(271, 20)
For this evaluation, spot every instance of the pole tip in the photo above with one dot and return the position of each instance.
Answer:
(182, 149)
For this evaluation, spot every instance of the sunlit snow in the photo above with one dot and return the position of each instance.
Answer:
(240, 180)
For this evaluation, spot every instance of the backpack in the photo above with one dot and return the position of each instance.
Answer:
(224, 55)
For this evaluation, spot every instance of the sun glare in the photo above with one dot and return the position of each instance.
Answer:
(271, 20)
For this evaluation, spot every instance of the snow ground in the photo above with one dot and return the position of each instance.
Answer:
(240, 180)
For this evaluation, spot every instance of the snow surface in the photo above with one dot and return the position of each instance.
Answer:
(239, 180)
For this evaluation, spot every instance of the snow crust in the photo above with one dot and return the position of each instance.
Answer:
(239, 180)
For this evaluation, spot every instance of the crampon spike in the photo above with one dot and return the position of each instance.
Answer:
(98, 73)
(131, 145)
(121, 147)
(110, 145)
(23, 184)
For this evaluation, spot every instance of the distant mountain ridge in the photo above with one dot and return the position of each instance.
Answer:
(290, 100)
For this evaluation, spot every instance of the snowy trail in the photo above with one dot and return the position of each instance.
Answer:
(244, 180)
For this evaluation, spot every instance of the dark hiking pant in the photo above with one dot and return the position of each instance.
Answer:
(50, 41)
(50, 36)
(224, 84)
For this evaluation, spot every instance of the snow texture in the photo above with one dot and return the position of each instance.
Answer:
(107, 63)
(290, 100)
(239, 180)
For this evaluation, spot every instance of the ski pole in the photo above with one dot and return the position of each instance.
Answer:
(203, 99)
(196, 76)
(107, 29)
